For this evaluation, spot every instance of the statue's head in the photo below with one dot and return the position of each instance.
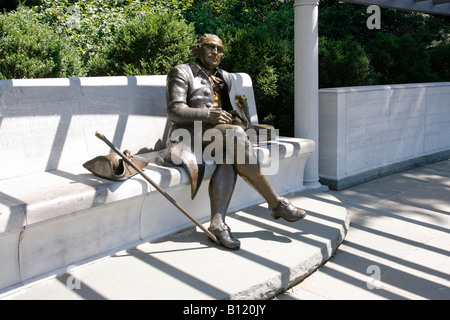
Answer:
(208, 51)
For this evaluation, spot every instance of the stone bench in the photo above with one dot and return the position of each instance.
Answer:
(55, 213)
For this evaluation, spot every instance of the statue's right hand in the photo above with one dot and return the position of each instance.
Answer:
(218, 116)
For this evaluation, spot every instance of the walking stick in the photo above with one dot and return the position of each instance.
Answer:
(164, 193)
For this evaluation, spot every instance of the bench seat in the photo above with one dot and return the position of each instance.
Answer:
(52, 219)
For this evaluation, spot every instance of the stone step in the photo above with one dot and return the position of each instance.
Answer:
(274, 255)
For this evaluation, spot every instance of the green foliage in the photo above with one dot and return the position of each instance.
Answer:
(207, 15)
(440, 60)
(8, 5)
(423, 28)
(401, 52)
(269, 62)
(258, 36)
(131, 37)
(92, 24)
(400, 59)
(344, 62)
(30, 49)
(340, 20)
(211, 15)
(151, 43)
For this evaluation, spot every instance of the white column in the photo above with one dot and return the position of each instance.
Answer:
(307, 82)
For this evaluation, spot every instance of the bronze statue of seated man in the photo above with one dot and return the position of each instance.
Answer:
(198, 100)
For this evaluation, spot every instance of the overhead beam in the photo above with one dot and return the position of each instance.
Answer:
(440, 1)
(440, 7)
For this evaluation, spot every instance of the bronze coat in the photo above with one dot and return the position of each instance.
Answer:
(189, 95)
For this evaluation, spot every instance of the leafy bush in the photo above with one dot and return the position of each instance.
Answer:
(211, 15)
(208, 16)
(400, 59)
(344, 63)
(89, 24)
(148, 44)
(341, 20)
(30, 49)
(440, 60)
(269, 62)
(115, 37)
(92, 24)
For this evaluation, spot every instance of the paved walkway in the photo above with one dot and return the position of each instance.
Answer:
(398, 244)
(397, 247)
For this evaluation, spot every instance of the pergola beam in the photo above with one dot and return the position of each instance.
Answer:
(440, 1)
(441, 7)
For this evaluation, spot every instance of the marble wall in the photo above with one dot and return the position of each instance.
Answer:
(365, 132)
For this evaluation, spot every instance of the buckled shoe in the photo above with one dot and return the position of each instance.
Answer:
(287, 211)
(225, 237)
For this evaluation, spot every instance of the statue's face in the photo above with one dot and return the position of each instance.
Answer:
(210, 52)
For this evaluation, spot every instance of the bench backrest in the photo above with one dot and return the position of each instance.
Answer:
(49, 124)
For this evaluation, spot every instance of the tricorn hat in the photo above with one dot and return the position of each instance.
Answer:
(113, 167)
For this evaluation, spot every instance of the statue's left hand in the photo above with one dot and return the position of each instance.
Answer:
(219, 116)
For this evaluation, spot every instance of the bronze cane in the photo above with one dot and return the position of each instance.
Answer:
(164, 193)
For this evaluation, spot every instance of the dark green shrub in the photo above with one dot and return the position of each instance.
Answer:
(400, 59)
(92, 24)
(344, 63)
(340, 20)
(30, 49)
(148, 44)
(440, 61)
(269, 62)
(207, 16)
(10, 5)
